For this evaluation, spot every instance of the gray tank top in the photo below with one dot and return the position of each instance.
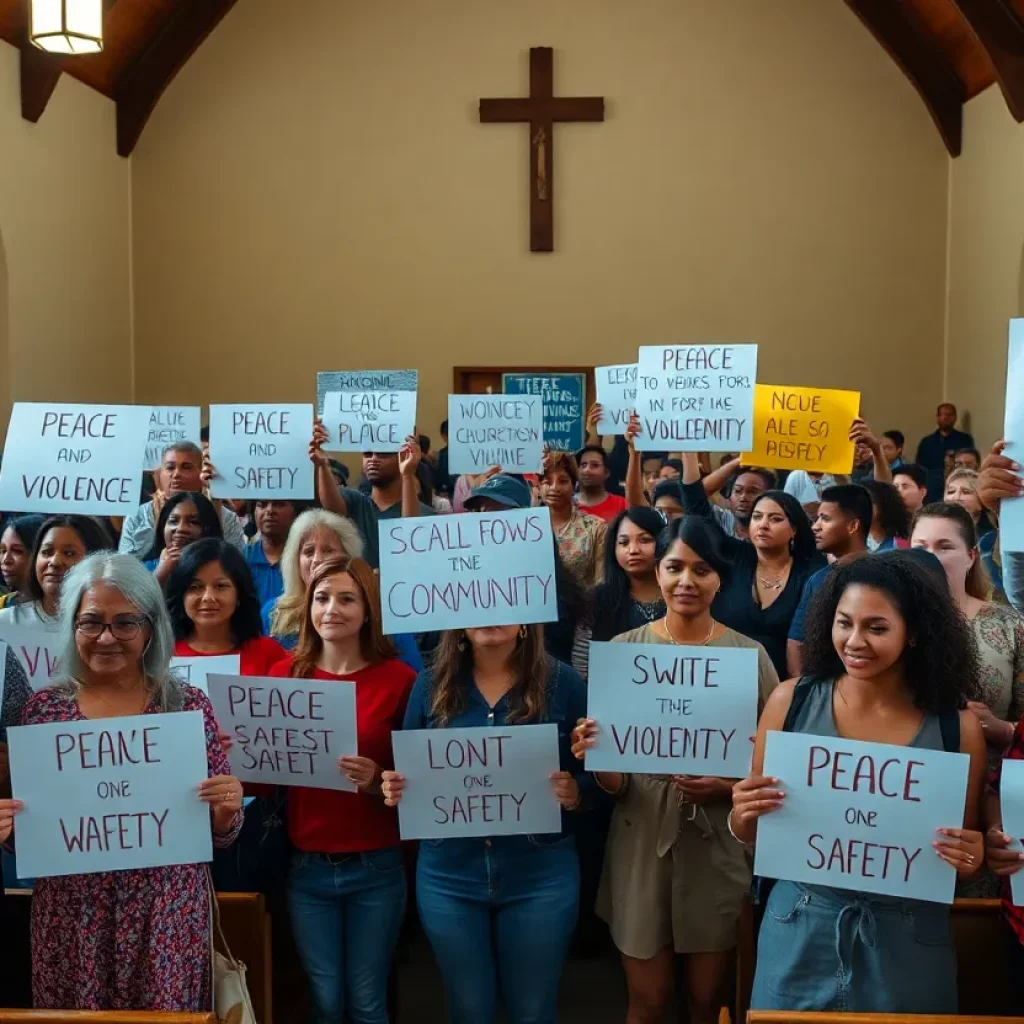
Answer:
(816, 717)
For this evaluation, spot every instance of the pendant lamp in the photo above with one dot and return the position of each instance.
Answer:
(69, 27)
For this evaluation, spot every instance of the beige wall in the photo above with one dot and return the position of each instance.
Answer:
(315, 192)
(65, 228)
(985, 268)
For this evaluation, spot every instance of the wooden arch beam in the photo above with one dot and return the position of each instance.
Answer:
(1000, 31)
(143, 83)
(40, 72)
(922, 61)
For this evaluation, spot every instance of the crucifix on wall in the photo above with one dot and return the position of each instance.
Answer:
(541, 109)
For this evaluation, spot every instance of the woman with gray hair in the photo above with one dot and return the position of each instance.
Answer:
(318, 536)
(136, 939)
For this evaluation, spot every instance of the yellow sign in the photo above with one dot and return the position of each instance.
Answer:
(803, 428)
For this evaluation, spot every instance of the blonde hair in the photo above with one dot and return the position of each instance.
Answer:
(289, 610)
(969, 475)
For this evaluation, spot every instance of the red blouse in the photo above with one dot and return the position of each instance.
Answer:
(256, 656)
(326, 821)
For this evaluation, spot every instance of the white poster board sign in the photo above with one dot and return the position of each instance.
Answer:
(369, 421)
(82, 459)
(170, 424)
(495, 430)
(616, 394)
(1011, 515)
(195, 668)
(696, 398)
(479, 569)
(261, 451)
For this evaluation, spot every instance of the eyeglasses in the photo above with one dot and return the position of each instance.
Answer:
(120, 629)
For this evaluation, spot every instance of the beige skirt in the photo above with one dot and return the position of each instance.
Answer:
(673, 876)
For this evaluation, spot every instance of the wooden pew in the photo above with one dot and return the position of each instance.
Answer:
(792, 1017)
(246, 927)
(983, 973)
(103, 1017)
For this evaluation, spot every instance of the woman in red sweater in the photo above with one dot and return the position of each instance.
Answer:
(215, 610)
(346, 888)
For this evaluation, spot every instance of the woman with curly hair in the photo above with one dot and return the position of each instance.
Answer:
(580, 536)
(889, 658)
(890, 521)
(185, 518)
(500, 911)
(762, 592)
(674, 881)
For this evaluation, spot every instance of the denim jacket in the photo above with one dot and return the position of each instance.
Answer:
(566, 703)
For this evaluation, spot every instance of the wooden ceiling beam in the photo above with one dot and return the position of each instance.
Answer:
(1000, 31)
(40, 72)
(139, 89)
(922, 61)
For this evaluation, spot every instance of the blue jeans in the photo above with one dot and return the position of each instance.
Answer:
(500, 918)
(346, 912)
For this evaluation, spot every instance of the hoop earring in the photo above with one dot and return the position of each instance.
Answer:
(523, 632)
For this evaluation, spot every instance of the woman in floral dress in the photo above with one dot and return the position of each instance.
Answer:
(136, 939)
(580, 537)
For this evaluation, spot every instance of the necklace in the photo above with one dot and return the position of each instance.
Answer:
(678, 643)
(775, 584)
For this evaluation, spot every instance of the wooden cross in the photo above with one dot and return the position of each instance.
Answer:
(541, 109)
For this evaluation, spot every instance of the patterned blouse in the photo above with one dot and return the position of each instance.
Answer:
(581, 545)
(999, 632)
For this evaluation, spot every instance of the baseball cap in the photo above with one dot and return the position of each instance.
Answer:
(503, 489)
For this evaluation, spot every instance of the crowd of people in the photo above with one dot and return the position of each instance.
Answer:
(879, 605)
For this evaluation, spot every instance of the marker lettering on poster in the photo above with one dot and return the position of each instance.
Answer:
(638, 694)
(36, 649)
(861, 815)
(696, 397)
(495, 430)
(369, 421)
(473, 782)
(108, 795)
(65, 458)
(487, 569)
(170, 424)
(803, 428)
(363, 380)
(261, 451)
(616, 394)
(288, 732)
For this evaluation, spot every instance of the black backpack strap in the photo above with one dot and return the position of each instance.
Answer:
(949, 726)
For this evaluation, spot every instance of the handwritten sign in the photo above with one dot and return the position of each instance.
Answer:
(861, 815)
(672, 710)
(803, 428)
(110, 794)
(369, 421)
(696, 398)
(261, 451)
(84, 459)
(363, 380)
(454, 572)
(170, 424)
(477, 782)
(36, 649)
(563, 397)
(495, 430)
(616, 394)
(1011, 803)
(194, 670)
(1011, 517)
(288, 732)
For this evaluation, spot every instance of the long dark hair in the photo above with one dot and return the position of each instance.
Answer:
(803, 545)
(90, 533)
(940, 662)
(245, 623)
(611, 597)
(890, 512)
(209, 521)
(704, 536)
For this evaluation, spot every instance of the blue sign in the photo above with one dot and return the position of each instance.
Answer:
(861, 815)
(564, 396)
(363, 380)
(477, 782)
(110, 794)
(672, 710)
(1011, 803)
